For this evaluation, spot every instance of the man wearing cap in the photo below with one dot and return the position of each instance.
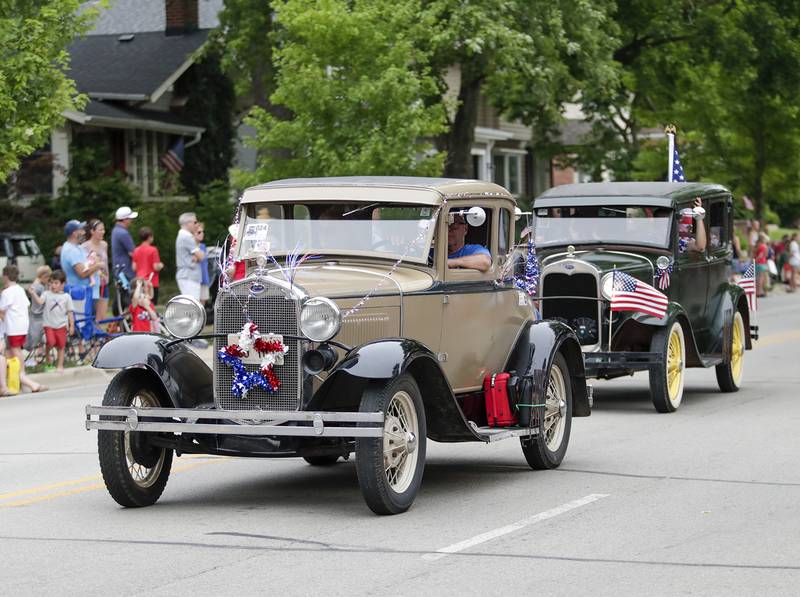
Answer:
(121, 242)
(462, 255)
(74, 260)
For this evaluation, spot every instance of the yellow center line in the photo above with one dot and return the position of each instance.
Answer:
(779, 338)
(93, 486)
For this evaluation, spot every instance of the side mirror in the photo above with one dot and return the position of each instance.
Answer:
(476, 216)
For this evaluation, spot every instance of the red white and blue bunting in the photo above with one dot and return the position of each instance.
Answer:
(270, 349)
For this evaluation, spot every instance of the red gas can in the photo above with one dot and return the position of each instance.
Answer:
(498, 407)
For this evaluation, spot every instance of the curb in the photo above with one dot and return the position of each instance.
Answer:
(72, 376)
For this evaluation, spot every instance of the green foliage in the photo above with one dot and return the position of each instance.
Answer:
(346, 72)
(34, 86)
(210, 104)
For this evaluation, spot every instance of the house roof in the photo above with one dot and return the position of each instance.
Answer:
(109, 115)
(135, 16)
(141, 68)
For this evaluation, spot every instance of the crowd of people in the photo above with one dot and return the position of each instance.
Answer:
(776, 262)
(74, 288)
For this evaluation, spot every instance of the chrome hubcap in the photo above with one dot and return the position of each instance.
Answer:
(400, 442)
(141, 475)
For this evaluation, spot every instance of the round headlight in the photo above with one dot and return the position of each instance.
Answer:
(320, 319)
(184, 316)
(607, 286)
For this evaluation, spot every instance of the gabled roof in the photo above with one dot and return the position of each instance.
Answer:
(141, 68)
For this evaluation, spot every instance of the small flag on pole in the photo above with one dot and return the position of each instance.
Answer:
(748, 203)
(630, 294)
(677, 168)
(173, 159)
(748, 284)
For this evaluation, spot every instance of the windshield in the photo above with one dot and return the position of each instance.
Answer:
(612, 224)
(379, 229)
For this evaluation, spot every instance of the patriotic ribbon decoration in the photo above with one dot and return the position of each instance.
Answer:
(529, 283)
(662, 274)
(269, 348)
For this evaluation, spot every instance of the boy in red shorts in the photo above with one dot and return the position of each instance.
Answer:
(14, 305)
(57, 316)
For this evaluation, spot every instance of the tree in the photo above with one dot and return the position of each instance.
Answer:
(34, 85)
(353, 77)
(528, 58)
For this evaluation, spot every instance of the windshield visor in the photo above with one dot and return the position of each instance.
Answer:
(614, 225)
(380, 230)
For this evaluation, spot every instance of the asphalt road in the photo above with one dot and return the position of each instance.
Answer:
(702, 501)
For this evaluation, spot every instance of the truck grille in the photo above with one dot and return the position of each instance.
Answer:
(273, 313)
(581, 315)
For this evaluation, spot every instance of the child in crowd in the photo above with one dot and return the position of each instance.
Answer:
(36, 327)
(57, 315)
(14, 305)
(147, 261)
(143, 314)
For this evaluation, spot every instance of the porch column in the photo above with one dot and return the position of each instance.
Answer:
(59, 147)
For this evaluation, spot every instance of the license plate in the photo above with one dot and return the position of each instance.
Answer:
(252, 357)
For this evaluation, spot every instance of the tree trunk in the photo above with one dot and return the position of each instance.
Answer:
(760, 166)
(458, 141)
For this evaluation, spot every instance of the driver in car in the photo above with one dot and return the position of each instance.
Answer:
(460, 254)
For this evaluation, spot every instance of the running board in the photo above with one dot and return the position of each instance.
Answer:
(495, 434)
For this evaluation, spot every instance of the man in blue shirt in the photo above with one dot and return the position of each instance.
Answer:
(74, 260)
(121, 242)
(460, 254)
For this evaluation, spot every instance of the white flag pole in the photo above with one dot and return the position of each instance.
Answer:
(670, 131)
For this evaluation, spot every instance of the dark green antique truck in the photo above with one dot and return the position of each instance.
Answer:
(675, 237)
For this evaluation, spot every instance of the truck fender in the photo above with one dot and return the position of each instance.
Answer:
(534, 352)
(185, 378)
(384, 359)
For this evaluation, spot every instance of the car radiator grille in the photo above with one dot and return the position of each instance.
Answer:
(581, 315)
(273, 313)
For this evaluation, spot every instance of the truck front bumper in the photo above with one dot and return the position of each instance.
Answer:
(222, 422)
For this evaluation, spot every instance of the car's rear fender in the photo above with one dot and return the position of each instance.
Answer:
(534, 352)
(185, 378)
(381, 360)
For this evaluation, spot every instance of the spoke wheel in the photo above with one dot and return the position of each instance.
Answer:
(390, 467)
(547, 449)
(731, 373)
(135, 472)
(666, 383)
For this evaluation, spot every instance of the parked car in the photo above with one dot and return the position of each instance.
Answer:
(21, 250)
(385, 345)
(652, 231)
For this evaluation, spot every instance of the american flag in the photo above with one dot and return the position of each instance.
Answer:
(630, 294)
(748, 284)
(677, 170)
(173, 159)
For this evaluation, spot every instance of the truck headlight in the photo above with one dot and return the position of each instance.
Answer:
(607, 285)
(320, 319)
(184, 316)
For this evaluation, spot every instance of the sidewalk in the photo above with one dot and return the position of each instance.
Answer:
(86, 374)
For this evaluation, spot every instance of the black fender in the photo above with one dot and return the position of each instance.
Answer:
(381, 360)
(534, 351)
(675, 312)
(184, 377)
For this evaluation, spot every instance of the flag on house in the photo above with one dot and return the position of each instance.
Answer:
(173, 159)
(630, 294)
(748, 284)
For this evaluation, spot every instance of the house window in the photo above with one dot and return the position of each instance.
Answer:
(144, 151)
(507, 168)
(479, 164)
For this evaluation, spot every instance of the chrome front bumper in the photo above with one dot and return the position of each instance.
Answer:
(255, 422)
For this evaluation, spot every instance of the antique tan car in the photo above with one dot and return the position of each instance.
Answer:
(374, 315)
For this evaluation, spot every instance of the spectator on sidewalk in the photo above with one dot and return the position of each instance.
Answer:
(58, 316)
(97, 250)
(188, 257)
(14, 305)
(74, 260)
(143, 315)
(761, 255)
(147, 261)
(36, 289)
(199, 236)
(55, 261)
(121, 241)
(793, 261)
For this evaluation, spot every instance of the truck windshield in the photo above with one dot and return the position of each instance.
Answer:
(378, 229)
(612, 224)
